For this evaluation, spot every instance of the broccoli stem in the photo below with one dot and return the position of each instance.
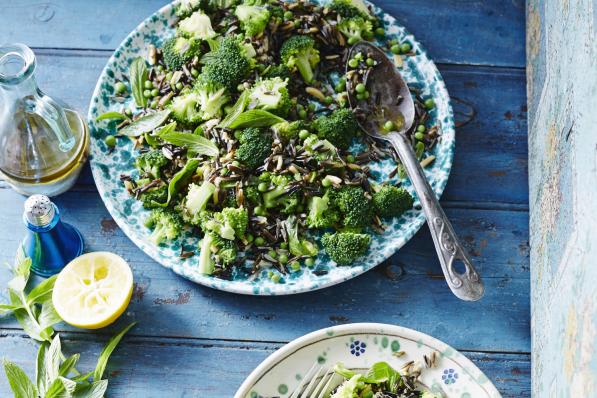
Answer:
(206, 264)
(304, 67)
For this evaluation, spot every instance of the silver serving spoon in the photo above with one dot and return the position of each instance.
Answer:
(389, 92)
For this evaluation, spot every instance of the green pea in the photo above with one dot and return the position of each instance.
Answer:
(328, 100)
(367, 35)
(380, 31)
(350, 158)
(405, 47)
(340, 87)
(419, 136)
(263, 187)
(179, 86)
(297, 23)
(147, 93)
(299, 107)
(309, 262)
(272, 254)
(352, 40)
(359, 56)
(236, 163)
(353, 63)
(283, 258)
(326, 182)
(128, 112)
(295, 266)
(154, 104)
(303, 134)
(259, 241)
(389, 125)
(283, 245)
(395, 49)
(110, 141)
(421, 128)
(429, 103)
(169, 76)
(311, 107)
(275, 278)
(260, 211)
(302, 114)
(249, 238)
(194, 72)
(120, 88)
(360, 88)
(370, 62)
(288, 15)
(148, 84)
(366, 94)
(224, 171)
(155, 92)
(361, 96)
(367, 394)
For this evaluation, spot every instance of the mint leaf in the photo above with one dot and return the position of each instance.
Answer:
(48, 316)
(96, 390)
(111, 116)
(255, 118)
(30, 325)
(145, 124)
(68, 365)
(238, 108)
(61, 388)
(195, 143)
(42, 292)
(107, 351)
(41, 376)
(52, 359)
(138, 75)
(20, 384)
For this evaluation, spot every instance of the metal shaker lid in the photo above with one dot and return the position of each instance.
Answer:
(39, 210)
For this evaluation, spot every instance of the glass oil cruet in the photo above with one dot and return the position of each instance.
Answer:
(43, 143)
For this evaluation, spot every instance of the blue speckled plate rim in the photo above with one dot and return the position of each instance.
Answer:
(351, 329)
(242, 287)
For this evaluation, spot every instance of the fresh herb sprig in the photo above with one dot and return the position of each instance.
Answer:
(34, 310)
(57, 377)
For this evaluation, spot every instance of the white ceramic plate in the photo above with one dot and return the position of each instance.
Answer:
(358, 346)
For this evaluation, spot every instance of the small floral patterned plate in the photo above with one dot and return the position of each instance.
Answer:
(360, 345)
(108, 164)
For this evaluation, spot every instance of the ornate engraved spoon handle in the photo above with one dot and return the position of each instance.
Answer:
(467, 285)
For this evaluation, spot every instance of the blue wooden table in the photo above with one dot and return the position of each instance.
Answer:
(192, 341)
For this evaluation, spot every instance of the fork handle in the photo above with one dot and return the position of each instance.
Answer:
(468, 285)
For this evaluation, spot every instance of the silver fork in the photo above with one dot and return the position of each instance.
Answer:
(319, 379)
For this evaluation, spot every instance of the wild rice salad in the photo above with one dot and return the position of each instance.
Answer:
(245, 137)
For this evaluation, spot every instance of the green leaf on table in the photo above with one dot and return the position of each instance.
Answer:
(68, 365)
(107, 351)
(61, 388)
(8, 308)
(21, 272)
(111, 116)
(382, 372)
(95, 390)
(237, 109)
(30, 326)
(52, 359)
(137, 76)
(180, 179)
(48, 316)
(42, 292)
(41, 376)
(255, 118)
(197, 144)
(20, 384)
(145, 124)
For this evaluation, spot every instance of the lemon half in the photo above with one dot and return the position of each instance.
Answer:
(93, 290)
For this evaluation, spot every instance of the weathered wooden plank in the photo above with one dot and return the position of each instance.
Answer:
(562, 91)
(491, 150)
(147, 368)
(167, 305)
(463, 32)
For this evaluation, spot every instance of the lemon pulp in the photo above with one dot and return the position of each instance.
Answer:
(93, 290)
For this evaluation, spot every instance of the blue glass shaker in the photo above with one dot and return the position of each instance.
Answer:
(50, 243)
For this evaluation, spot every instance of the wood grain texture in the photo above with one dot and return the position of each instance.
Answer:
(150, 368)
(496, 97)
(463, 32)
(562, 92)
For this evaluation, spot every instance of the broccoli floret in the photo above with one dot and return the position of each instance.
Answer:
(196, 201)
(228, 224)
(271, 95)
(253, 195)
(185, 108)
(355, 29)
(296, 245)
(229, 64)
(339, 128)
(321, 213)
(152, 198)
(356, 209)
(166, 225)
(253, 18)
(197, 26)
(320, 149)
(289, 130)
(150, 163)
(278, 197)
(255, 147)
(186, 7)
(218, 5)
(214, 250)
(178, 51)
(300, 52)
(350, 8)
(345, 247)
(211, 96)
(391, 201)
(281, 70)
